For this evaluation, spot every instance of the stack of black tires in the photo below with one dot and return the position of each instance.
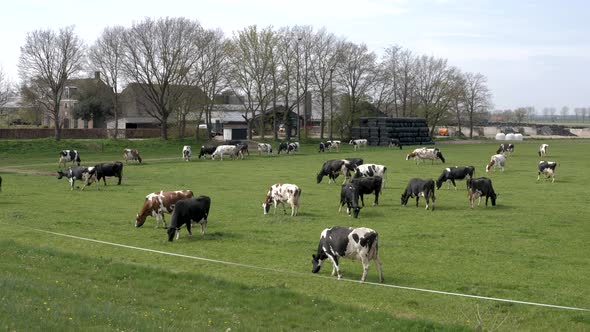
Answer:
(380, 131)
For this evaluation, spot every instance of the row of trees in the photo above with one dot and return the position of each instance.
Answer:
(271, 68)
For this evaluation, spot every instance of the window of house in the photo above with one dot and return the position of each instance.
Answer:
(75, 123)
(85, 124)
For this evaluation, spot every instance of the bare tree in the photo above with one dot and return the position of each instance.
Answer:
(251, 64)
(520, 114)
(287, 69)
(5, 88)
(47, 60)
(323, 61)
(477, 98)
(433, 88)
(356, 76)
(210, 69)
(458, 100)
(565, 111)
(106, 56)
(158, 56)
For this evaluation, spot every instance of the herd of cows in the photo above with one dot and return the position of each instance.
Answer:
(359, 179)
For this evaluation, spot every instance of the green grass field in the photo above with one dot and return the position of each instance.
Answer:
(533, 246)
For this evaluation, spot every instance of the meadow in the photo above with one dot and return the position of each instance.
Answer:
(533, 246)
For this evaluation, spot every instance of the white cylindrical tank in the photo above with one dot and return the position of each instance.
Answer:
(518, 137)
(500, 137)
(509, 137)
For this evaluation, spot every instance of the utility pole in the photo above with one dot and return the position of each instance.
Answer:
(331, 103)
(298, 114)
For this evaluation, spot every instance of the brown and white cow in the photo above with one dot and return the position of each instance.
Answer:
(496, 161)
(281, 193)
(158, 203)
(131, 154)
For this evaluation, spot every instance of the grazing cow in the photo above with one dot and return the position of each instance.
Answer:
(186, 152)
(281, 193)
(349, 195)
(87, 174)
(543, 150)
(419, 187)
(357, 143)
(395, 142)
(333, 145)
(479, 187)
(206, 150)
(333, 168)
(353, 243)
(158, 203)
(68, 156)
(322, 147)
(293, 147)
(222, 150)
(264, 148)
(283, 146)
(497, 161)
(454, 173)
(108, 169)
(547, 168)
(368, 185)
(505, 148)
(242, 150)
(186, 211)
(424, 153)
(131, 154)
(365, 170)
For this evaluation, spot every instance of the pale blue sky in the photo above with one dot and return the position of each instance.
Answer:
(533, 53)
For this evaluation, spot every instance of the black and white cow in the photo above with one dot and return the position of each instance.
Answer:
(108, 169)
(454, 173)
(87, 174)
(332, 168)
(357, 143)
(366, 170)
(368, 185)
(281, 193)
(349, 195)
(333, 145)
(292, 147)
(206, 150)
(186, 211)
(66, 156)
(322, 147)
(283, 146)
(264, 148)
(505, 148)
(419, 187)
(186, 152)
(353, 243)
(395, 142)
(543, 150)
(547, 168)
(479, 187)
(242, 150)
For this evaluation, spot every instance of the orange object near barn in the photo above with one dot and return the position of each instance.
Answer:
(443, 131)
